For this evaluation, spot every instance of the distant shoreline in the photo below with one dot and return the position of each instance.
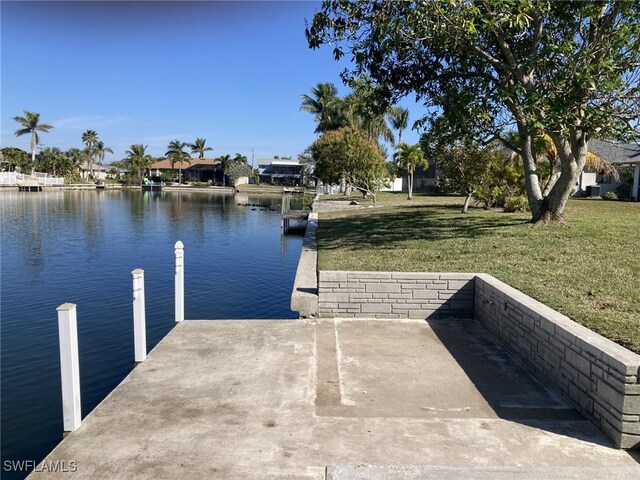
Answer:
(266, 189)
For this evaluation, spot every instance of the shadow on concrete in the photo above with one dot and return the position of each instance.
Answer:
(512, 391)
(313, 291)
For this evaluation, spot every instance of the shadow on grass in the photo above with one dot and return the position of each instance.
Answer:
(414, 222)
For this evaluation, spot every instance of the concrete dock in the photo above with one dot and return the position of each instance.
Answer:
(339, 399)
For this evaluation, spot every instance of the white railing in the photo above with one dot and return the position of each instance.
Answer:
(13, 178)
(8, 178)
(50, 181)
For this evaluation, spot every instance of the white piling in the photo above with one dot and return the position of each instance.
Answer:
(139, 319)
(69, 367)
(179, 248)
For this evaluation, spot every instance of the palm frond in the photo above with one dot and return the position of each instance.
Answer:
(599, 164)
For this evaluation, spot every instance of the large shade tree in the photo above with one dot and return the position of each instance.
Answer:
(31, 125)
(567, 69)
(347, 155)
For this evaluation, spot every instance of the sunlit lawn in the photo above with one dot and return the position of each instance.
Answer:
(588, 269)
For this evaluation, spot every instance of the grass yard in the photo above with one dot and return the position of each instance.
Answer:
(588, 269)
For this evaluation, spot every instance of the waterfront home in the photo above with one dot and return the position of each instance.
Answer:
(281, 172)
(193, 170)
(86, 170)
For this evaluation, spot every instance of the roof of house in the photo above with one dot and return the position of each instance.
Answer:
(619, 153)
(85, 166)
(165, 164)
(279, 162)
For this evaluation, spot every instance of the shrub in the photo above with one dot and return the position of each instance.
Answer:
(623, 191)
(516, 204)
(610, 196)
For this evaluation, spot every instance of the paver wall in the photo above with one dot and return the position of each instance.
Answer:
(599, 376)
(395, 294)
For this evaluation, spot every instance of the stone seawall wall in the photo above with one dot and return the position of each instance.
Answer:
(599, 376)
(395, 294)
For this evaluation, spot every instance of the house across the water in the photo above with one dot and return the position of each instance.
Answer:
(92, 171)
(281, 172)
(193, 170)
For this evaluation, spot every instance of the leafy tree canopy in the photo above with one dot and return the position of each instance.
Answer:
(348, 155)
(567, 69)
(14, 157)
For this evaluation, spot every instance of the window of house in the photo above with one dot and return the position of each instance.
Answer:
(602, 178)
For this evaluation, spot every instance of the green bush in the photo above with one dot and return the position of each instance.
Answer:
(200, 184)
(623, 191)
(516, 204)
(610, 196)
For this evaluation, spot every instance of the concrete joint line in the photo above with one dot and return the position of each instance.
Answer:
(341, 389)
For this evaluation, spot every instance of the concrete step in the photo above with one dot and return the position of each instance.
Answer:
(436, 472)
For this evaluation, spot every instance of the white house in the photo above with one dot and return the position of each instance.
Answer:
(618, 154)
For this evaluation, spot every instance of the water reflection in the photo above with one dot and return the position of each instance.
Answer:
(80, 246)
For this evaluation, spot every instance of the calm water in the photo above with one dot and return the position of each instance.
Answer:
(81, 247)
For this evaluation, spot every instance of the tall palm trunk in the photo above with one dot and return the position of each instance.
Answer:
(33, 154)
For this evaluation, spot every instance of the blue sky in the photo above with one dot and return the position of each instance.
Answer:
(151, 72)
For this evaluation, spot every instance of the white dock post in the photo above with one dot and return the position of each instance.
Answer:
(179, 248)
(69, 366)
(139, 320)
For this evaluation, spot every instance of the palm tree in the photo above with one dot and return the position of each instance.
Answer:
(101, 151)
(31, 124)
(325, 104)
(90, 140)
(138, 160)
(176, 154)
(408, 157)
(544, 145)
(399, 118)
(225, 162)
(199, 148)
(54, 160)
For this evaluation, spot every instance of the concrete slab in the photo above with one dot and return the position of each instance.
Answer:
(285, 399)
(304, 298)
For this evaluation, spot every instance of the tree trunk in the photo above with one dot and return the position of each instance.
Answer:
(572, 151)
(33, 153)
(410, 185)
(465, 207)
(532, 179)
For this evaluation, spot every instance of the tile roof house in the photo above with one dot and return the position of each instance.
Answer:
(618, 154)
(85, 170)
(193, 170)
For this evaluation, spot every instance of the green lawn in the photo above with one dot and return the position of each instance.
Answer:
(588, 269)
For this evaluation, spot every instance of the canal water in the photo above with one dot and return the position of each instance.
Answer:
(80, 247)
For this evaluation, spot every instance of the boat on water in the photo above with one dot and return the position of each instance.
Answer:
(151, 186)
